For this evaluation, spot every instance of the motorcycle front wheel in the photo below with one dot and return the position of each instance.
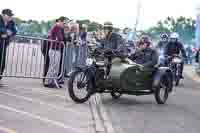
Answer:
(162, 91)
(79, 86)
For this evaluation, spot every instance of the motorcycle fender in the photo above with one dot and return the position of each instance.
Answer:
(90, 71)
(158, 75)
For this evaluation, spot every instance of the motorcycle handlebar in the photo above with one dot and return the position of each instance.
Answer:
(99, 52)
(172, 56)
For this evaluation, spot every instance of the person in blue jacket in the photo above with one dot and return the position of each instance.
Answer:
(7, 30)
(83, 45)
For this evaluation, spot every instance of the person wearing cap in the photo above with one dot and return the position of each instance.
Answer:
(111, 39)
(145, 56)
(45, 52)
(7, 30)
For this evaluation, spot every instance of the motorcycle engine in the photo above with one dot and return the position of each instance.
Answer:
(100, 74)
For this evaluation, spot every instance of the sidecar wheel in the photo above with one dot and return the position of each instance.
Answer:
(162, 91)
(82, 86)
(116, 95)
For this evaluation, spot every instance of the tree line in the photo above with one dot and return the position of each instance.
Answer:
(184, 26)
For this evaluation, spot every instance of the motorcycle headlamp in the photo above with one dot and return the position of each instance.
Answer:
(176, 60)
(89, 61)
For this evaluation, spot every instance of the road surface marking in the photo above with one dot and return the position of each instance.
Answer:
(42, 103)
(6, 130)
(43, 119)
(48, 94)
(106, 119)
(41, 92)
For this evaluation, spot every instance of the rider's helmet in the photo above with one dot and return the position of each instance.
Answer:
(108, 26)
(174, 37)
(164, 37)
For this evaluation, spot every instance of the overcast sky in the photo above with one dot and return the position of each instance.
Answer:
(121, 12)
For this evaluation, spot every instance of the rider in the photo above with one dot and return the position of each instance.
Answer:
(174, 47)
(145, 55)
(111, 39)
(163, 42)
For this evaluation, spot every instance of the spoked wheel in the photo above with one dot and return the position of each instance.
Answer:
(79, 87)
(177, 78)
(115, 94)
(162, 91)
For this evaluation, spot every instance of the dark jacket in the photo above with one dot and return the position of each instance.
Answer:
(147, 57)
(174, 48)
(83, 36)
(45, 47)
(3, 30)
(161, 45)
(114, 41)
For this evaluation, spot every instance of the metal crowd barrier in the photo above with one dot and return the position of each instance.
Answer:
(27, 57)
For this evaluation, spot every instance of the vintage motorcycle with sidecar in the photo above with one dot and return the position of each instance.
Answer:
(117, 74)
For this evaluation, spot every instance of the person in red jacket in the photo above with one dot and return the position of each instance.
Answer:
(55, 51)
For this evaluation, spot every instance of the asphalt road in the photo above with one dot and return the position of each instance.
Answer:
(27, 107)
(181, 114)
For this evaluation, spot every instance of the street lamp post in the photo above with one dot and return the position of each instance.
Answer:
(139, 5)
(198, 27)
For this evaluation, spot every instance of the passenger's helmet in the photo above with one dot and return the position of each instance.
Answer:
(145, 39)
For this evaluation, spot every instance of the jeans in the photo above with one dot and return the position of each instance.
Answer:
(76, 55)
(68, 59)
(82, 55)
